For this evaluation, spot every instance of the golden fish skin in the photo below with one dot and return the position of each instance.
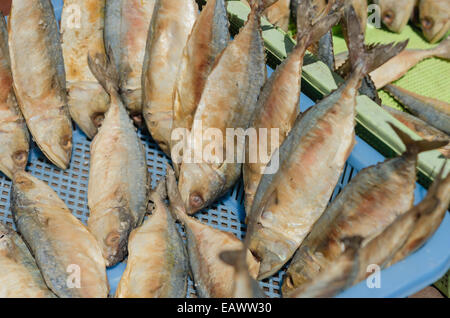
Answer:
(228, 101)
(19, 275)
(118, 176)
(60, 243)
(337, 278)
(208, 38)
(396, 14)
(399, 65)
(82, 26)
(213, 278)
(157, 264)
(171, 25)
(14, 137)
(278, 103)
(367, 205)
(434, 19)
(279, 14)
(127, 23)
(39, 81)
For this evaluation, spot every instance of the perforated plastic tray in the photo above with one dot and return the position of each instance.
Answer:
(417, 271)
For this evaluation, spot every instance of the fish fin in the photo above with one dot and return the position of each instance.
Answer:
(312, 27)
(443, 49)
(417, 146)
(352, 242)
(104, 69)
(177, 207)
(233, 258)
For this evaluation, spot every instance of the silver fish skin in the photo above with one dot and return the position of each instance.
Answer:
(434, 18)
(172, 22)
(288, 202)
(118, 177)
(61, 244)
(82, 27)
(277, 106)
(433, 111)
(207, 40)
(213, 278)
(126, 27)
(337, 278)
(367, 205)
(39, 78)
(157, 264)
(14, 138)
(409, 231)
(19, 273)
(228, 101)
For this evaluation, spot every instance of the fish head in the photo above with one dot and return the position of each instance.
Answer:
(111, 232)
(199, 185)
(434, 19)
(396, 14)
(132, 99)
(55, 131)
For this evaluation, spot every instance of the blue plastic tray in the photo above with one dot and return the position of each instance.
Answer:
(405, 278)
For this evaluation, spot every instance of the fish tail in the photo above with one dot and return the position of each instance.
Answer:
(177, 207)
(104, 70)
(312, 26)
(443, 49)
(235, 258)
(358, 57)
(260, 5)
(417, 146)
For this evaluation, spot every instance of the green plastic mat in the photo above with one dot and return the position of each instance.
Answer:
(430, 77)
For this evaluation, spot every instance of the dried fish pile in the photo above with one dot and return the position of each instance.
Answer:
(166, 63)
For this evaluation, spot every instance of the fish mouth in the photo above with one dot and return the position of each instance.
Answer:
(59, 155)
(432, 35)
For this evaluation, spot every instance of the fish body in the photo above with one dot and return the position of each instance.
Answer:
(435, 112)
(19, 273)
(228, 101)
(434, 18)
(61, 244)
(127, 23)
(81, 34)
(157, 264)
(207, 40)
(289, 202)
(213, 278)
(39, 79)
(278, 106)
(337, 278)
(420, 127)
(399, 65)
(118, 177)
(396, 14)
(409, 231)
(172, 22)
(367, 205)
(14, 139)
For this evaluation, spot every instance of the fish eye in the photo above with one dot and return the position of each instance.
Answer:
(97, 119)
(427, 23)
(195, 200)
(388, 17)
(20, 157)
(66, 142)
